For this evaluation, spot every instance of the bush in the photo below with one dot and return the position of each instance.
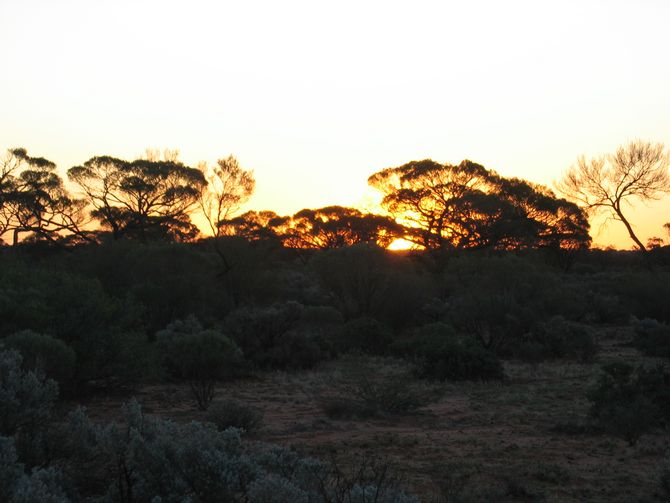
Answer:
(146, 458)
(652, 337)
(558, 338)
(104, 332)
(442, 355)
(365, 280)
(201, 357)
(628, 402)
(43, 353)
(374, 388)
(278, 336)
(365, 335)
(26, 398)
(665, 478)
(234, 414)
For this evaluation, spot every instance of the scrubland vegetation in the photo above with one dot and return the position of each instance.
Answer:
(295, 359)
(494, 377)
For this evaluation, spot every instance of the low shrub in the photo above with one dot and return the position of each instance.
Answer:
(201, 357)
(43, 353)
(281, 336)
(234, 414)
(27, 399)
(665, 478)
(442, 355)
(374, 388)
(628, 402)
(559, 338)
(365, 335)
(652, 337)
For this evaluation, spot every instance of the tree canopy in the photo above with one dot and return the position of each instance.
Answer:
(322, 228)
(464, 206)
(140, 198)
(638, 170)
(34, 201)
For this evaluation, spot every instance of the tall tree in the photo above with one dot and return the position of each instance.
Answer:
(638, 170)
(34, 201)
(143, 198)
(467, 206)
(228, 189)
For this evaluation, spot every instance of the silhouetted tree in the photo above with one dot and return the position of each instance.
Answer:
(33, 200)
(467, 206)
(143, 198)
(335, 227)
(252, 225)
(637, 170)
(229, 187)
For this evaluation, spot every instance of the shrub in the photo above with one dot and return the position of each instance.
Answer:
(10, 468)
(559, 338)
(234, 414)
(665, 478)
(652, 337)
(104, 332)
(43, 353)
(26, 398)
(44, 485)
(278, 336)
(374, 388)
(146, 459)
(365, 334)
(366, 280)
(442, 355)
(201, 357)
(628, 402)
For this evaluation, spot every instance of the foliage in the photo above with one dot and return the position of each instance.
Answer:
(374, 388)
(558, 337)
(200, 356)
(638, 170)
(277, 336)
(629, 402)
(665, 478)
(496, 299)
(26, 398)
(652, 337)
(234, 414)
(442, 355)
(145, 458)
(33, 200)
(43, 354)
(367, 281)
(467, 206)
(143, 199)
(366, 335)
(229, 187)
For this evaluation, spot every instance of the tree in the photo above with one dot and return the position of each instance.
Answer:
(229, 188)
(335, 227)
(143, 198)
(467, 206)
(638, 170)
(252, 225)
(33, 199)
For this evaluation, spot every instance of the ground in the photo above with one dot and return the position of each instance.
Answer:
(478, 442)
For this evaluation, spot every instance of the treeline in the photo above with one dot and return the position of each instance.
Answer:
(437, 207)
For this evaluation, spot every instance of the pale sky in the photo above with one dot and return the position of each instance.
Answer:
(316, 96)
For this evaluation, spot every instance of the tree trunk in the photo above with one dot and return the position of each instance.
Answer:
(631, 233)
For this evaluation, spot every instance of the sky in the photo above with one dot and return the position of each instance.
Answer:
(315, 96)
